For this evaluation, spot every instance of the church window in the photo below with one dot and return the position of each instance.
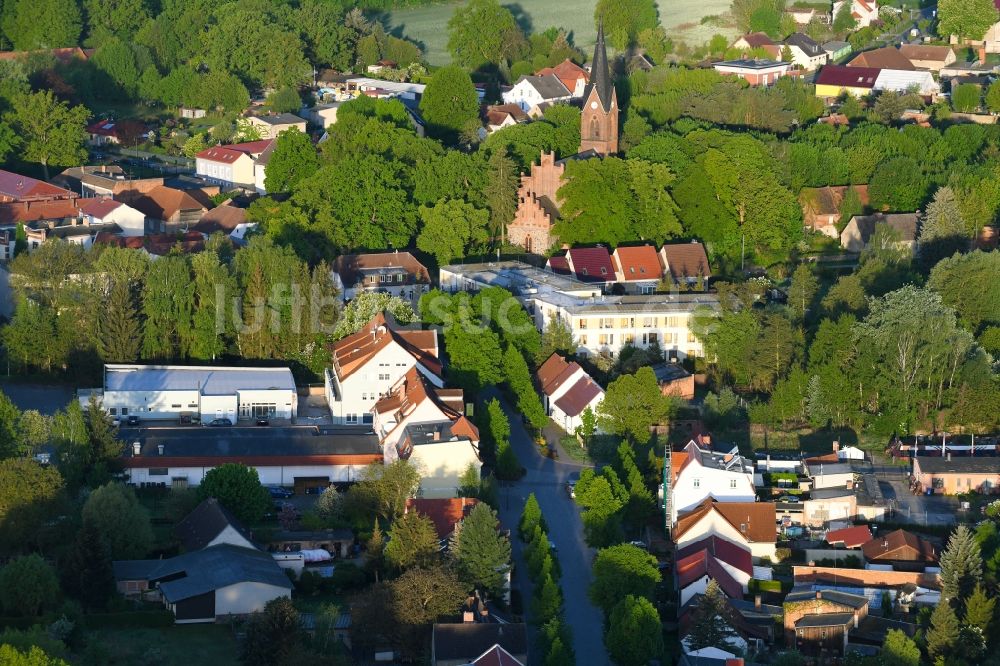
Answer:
(595, 128)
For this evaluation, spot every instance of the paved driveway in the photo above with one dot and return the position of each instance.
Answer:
(546, 478)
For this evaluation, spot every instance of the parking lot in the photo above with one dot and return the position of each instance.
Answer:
(46, 398)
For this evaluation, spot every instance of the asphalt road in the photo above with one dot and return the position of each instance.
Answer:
(547, 478)
(46, 398)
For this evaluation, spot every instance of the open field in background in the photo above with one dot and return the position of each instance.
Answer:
(428, 25)
(192, 645)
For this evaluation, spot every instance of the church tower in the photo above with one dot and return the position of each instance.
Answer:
(599, 120)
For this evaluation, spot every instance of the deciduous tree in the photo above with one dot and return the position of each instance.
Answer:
(41, 24)
(624, 20)
(450, 102)
(620, 571)
(237, 487)
(632, 404)
(28, 585)
(452, 229)
(121, 520)
(293, 160)
(484, 33)
(30, 496)
(635, 634)
(966, 19)
(52, 131)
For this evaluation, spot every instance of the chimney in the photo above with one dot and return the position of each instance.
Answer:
(159, 449)
(819, 595)
(436, 436)
(756, 602)
(468, 617)
(136, 448)
(982, 55)
(949, 456)
(836, 446)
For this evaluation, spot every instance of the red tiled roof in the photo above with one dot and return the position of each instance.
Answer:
(559, 264)
(555, 372)
(411, 390)
(579, 396)
(701, 563)
(29, 211)
(232, 152)
(722, 550)
(851, 537)
(444, 513)
(24, 188)
(351, 266)
(568, 72)
(354, 351)
(757, 40)
(637, 263)
(591, 264)
(162, 202)
(497, 113)
(687, 260)
(496, 656)
(758, 518)
(887, 57)
(847, 77)
(99, 208)
(900, 546)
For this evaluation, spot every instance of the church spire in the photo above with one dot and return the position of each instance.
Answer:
(600, 73)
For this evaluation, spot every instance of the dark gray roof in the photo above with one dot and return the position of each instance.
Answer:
(548, 86)
(904, 223)
(962, 465)
(205, 570)
(834, 46)
(242, 442)
(339, 534)
(825, 620)
(754, 615)
(469, 640)
(666, 372)
(806, 43)
(206, 522)
(281, 119)
(816, 469)
(600, 72)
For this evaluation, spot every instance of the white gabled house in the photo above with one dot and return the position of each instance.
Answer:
(704, 473)
(530, 91)
(749, 525)
(370, 363)
(567, 392)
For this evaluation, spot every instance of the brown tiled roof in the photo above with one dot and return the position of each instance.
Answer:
(497, 113)
(232, 152)
(581, 394)
(444, 513)
(29, 211)
(887, 57)
(99, 208)
(24, 188)
(899, 546)
(637, 263)
(221, 218)
(568, 72)
(757, 40)
(350, 266)
(847, 77)
(409, 392)
(354, 351)
(686, 260)
(925, 52)
(162, 202)
(554, 373)
(851, 537)
(756, 521)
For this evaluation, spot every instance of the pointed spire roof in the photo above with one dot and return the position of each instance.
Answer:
(600, 73)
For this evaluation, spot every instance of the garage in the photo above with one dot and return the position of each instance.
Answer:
(308, 485)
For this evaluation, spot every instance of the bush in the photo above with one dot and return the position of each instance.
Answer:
(757, 586)
(348, 576)
(782, 554)
(130, 620)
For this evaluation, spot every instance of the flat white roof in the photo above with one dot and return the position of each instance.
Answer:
(365, 82)
(209, 380)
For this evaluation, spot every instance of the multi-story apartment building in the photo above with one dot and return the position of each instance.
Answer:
(600, 323)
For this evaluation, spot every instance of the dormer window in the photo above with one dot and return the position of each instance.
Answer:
(604, 271)
(696, 483)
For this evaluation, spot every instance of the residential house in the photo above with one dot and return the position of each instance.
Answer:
(863, 11)
(900, 548)
(479, 643)
(601, 324)
(225, 219)
(849, 537)
(168, 208)
(836, 80)
(572, 76)
(757, 40)
(951, 475)
(830, 474)
(587, 264)
(641, 62)
(887, 57)
(837, 50)
(567, 392)
(380, 66)
(927, 56)
(80, 221)
(367, 364)
(231, 165)
(637, 268)
(221, 574)
(211, 524)
(272, 124)
(687, 263)
(754, 72)
(260, 168)
(861, 228)
(445, 512)
(750, 525)
(18, 189)
(396, 273)
(674, 380)
(821, 207)
(903, 81)
(712, 558)
(499, 116)
(706, 474)
(538, 205)
(115, 132)
(381, 89)
(106, 180)
(422, 423)
(531, 90)
(817, 622)
(324, 114)
(806, 53)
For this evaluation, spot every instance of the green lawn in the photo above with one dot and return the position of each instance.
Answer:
(428, 24)
(194, 645)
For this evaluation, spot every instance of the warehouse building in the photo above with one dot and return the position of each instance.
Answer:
(173, 392)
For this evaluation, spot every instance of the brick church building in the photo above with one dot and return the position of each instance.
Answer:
(538, 203)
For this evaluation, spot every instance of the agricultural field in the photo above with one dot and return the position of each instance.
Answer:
(427, 25)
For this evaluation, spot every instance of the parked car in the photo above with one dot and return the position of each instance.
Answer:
(132, 420)
(571, 484)
(790, 499)
(219, 423)
(280, 492)
(263, 421)
(638, 544)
